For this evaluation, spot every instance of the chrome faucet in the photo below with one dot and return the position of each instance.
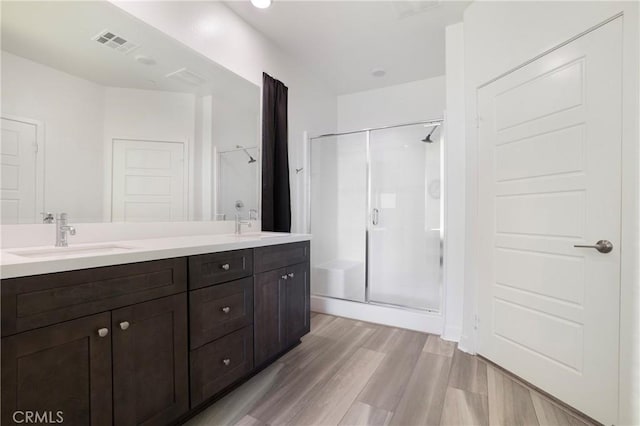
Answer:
(240, 222)
(61, 230)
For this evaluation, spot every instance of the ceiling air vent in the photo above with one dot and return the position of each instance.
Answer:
(115, 42)
(185, 76)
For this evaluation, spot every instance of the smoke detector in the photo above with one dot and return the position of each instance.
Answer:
(114, 41)
(186, 76)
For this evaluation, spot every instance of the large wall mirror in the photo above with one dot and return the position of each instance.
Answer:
(109, 119)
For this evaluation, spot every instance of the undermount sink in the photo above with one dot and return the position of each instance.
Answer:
(71, 251)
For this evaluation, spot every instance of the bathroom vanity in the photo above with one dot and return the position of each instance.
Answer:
(152, 341)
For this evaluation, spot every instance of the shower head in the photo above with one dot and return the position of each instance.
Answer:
(428, 138)
(251, 159)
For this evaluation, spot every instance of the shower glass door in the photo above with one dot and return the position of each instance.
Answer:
(339, 216)
(405, 217)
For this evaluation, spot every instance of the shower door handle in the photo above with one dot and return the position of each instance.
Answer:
(375, 216)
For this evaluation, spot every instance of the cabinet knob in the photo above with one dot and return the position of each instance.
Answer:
(124, 325)
(225, 267)
(291, 274)
(226, 309)
(103, 332)
(284, 277)
(226, 361)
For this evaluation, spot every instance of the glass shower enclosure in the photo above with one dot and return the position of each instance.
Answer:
(376, 216)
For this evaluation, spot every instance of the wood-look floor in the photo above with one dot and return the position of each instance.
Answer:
(348, 372)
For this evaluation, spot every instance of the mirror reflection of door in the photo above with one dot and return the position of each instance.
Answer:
(18, 159)
(148, 181)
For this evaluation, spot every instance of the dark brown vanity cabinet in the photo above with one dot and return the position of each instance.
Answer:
(282, 311)
(127, 365)
(142, 343)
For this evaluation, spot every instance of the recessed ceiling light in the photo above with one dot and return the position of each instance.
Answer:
(261, 4)
(378, 72)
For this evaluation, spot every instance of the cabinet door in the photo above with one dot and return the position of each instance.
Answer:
(269, 312)
(62, 368)
(150, 365)
(297, 299)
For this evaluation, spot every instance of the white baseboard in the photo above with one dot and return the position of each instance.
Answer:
(426, 322)
(451, 333)
(466, 345)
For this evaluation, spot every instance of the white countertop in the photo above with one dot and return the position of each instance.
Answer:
(130, 251)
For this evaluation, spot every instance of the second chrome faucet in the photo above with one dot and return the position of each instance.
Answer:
(62, 229)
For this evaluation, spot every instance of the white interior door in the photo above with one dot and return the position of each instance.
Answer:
(549, 179)
(18, 156)
(148, 183)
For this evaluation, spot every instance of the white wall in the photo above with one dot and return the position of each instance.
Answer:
(148, 115)
(499, 36)
(455, 184)
(216, 32)
(73, 132)
(403, 103)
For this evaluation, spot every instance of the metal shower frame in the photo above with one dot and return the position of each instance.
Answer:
(433, 122)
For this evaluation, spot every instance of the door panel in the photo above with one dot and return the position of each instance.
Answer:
(64, 367)
(405, 228)
(148, 182)
(150, 365)
(297, 318)
(18, 152)
(549, 179)
(339, 216)
(269, 314)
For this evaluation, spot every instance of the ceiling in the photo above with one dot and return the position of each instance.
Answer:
(342, 42)
(60, 35)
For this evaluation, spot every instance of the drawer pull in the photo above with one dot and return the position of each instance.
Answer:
(291, 274)
(284, 277)
(226, 309)
(102, 332)
(226, 362)
(124, 325)
(225, 267)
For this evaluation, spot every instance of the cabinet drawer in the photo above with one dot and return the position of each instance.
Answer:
(274, 257)
(219, 364)
(216, 268)
(36, 301)
(219, 310)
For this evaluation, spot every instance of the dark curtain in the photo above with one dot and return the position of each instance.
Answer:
(276, 193)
